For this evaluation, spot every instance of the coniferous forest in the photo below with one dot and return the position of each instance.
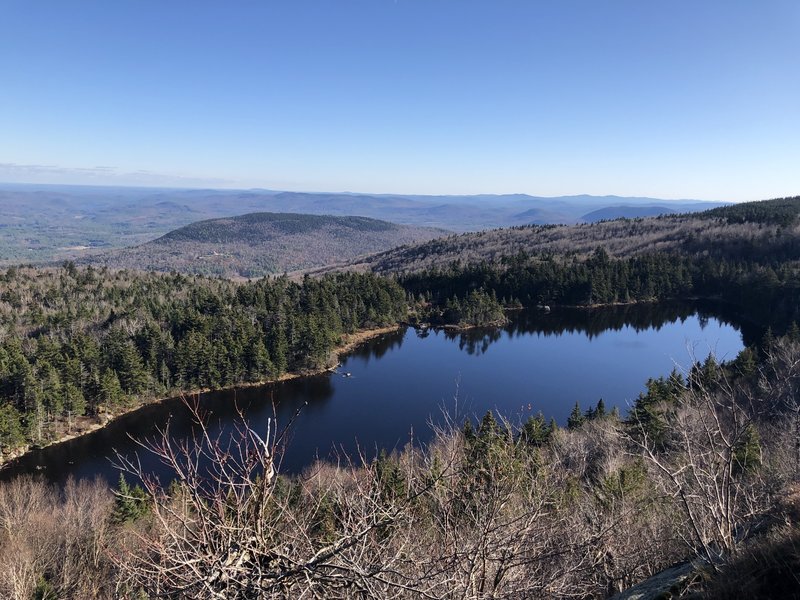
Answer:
(85, 342)
(704, 467)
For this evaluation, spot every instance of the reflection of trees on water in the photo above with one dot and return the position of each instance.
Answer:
(592, 322)
(726, 315)
(475, 341)
(377, 347)
(258, 402)
(307, 393)
(92, 454)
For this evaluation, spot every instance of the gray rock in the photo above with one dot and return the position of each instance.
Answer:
(661, 586)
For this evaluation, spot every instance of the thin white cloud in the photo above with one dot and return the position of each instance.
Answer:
(102, 175)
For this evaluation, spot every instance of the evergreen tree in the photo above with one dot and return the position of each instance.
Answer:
(600, 411)
(536, 430)
(111, 393)
(576, 417)
(11, 432)
(469, 431)
(389, 477)
(488, 427)
(130, 502)
(553, 425)
(74, 403)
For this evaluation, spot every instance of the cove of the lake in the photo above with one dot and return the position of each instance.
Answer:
(392, 387)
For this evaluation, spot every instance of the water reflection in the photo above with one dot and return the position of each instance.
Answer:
(378, 347)
(593, 322)
(402, 380)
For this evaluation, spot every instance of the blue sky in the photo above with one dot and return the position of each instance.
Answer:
(678, 99)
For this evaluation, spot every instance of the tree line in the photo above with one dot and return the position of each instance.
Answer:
(83, 342)
(765, 292)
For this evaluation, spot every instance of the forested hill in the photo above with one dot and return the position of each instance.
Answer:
(766, 231)
(625, 212)
(78, 343)
(44, 223)
(258, 244)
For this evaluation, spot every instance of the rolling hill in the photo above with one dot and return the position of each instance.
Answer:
(625, 212)
(42, 223)
(257, 244)
(767, 230)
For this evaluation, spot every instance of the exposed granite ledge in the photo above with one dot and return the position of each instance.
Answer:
(665, 585)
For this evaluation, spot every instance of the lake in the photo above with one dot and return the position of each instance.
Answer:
(392, 387)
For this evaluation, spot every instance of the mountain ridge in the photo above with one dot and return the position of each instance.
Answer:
(43, 223)
(263, 243)
(769, 228)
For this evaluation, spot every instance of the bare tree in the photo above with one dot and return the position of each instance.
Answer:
(54, 539)
(709, 468)
(231, 527)
(626, 525)
(779, 385)
(484, 517)
(27, 507)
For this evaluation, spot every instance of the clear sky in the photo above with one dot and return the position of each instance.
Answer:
(672, 99)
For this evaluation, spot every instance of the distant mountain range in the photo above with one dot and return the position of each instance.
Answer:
(44, 222)
(473, 213)
(626, 212)
(258, 244)
(767, 229)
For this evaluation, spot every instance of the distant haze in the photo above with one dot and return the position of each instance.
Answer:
(41, 223)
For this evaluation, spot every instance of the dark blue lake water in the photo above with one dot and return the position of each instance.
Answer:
(400, 382)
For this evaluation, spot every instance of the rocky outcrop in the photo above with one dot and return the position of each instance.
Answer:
(662, 586)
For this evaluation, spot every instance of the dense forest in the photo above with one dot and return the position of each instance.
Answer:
(764, 232)
(705, 466)
(770, 294)
(86, 342)
(747, 255)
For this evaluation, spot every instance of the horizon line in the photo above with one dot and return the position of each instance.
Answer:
(353, 193)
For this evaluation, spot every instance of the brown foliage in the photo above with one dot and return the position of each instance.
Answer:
(58, 537)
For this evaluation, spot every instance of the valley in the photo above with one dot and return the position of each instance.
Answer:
(42, 224)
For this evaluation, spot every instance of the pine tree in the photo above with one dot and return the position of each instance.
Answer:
(74, 403)
(11, 433)
(600, 411)
(768, 341)
(576, 417)
(747, 453)
(111, 393)
(389, 477)
(130, 502)
(468, 430)
(794, 332)
(536, 431)
(488, 427)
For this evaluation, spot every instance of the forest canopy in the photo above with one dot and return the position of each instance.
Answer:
(81, 341)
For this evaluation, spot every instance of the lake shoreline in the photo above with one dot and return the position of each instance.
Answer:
(388, 385)
(546, 309)
(350, 341)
